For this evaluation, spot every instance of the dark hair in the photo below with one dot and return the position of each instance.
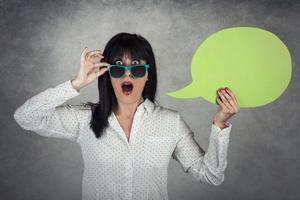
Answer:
(138, 48)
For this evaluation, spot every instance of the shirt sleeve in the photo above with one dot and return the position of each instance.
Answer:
(207, 167)
(45, 115)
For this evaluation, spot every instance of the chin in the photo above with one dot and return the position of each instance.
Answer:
(131, 98)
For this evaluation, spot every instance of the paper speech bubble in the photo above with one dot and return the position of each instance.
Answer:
(254, 63)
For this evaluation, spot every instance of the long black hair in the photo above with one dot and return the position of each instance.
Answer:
(138, 48)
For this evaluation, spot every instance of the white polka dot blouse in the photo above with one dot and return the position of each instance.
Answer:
(118, 168)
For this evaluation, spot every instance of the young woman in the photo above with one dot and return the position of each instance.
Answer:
(127, 138)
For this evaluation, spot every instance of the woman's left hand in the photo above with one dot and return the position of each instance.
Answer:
(228, 107)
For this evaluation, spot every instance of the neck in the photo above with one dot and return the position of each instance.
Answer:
(127, 110)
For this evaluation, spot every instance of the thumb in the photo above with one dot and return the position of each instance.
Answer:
(101, 71)
(83, 52)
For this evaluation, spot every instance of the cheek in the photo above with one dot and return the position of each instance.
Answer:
(141, 84)
(114, 83)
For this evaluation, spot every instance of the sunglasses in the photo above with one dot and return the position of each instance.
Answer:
(137, 71)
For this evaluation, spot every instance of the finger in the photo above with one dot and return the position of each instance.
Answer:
(233, 96)
(92, 53)
(96, 58)
(232, 100)
(221, 103)
(94, 70)
(100, 67)
(101, 64)
(101, 71)
(84, 49)
(229, 99)
(231, 93)
(83, 53)
(224, 100)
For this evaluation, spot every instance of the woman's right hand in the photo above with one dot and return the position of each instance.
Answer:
(88, 71)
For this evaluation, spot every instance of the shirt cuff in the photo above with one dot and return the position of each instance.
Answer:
(68, 89)
(218, 132)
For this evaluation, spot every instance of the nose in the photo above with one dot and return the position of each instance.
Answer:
(127, 61)
(127, 73)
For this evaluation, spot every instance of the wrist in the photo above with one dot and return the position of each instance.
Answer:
(221, 125)
(75, 85)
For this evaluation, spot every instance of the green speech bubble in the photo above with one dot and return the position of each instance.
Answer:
(253, 63)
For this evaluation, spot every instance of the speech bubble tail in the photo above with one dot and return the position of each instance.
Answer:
(187, 92)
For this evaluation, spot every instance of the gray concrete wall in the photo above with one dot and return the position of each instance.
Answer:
(40, 48)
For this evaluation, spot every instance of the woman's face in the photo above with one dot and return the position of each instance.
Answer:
(138, 84)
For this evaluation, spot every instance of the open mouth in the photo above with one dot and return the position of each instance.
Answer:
(127, 88)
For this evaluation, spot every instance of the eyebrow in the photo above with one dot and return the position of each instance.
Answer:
(119, 58)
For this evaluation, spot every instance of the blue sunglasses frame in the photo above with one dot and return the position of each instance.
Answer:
(127, 68)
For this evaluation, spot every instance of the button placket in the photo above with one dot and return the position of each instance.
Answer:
(129, 172)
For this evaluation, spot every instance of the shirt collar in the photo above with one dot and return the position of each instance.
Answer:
(147, 105)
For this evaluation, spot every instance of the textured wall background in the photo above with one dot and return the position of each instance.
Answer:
(40, 48)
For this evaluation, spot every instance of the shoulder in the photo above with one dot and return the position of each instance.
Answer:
(165, 120)
(81, 111)
(166, 113)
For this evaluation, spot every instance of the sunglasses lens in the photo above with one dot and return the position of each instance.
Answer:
(138, 71)
(116, 71)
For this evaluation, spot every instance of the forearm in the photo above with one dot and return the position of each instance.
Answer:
(30, 114)
(210, 168)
